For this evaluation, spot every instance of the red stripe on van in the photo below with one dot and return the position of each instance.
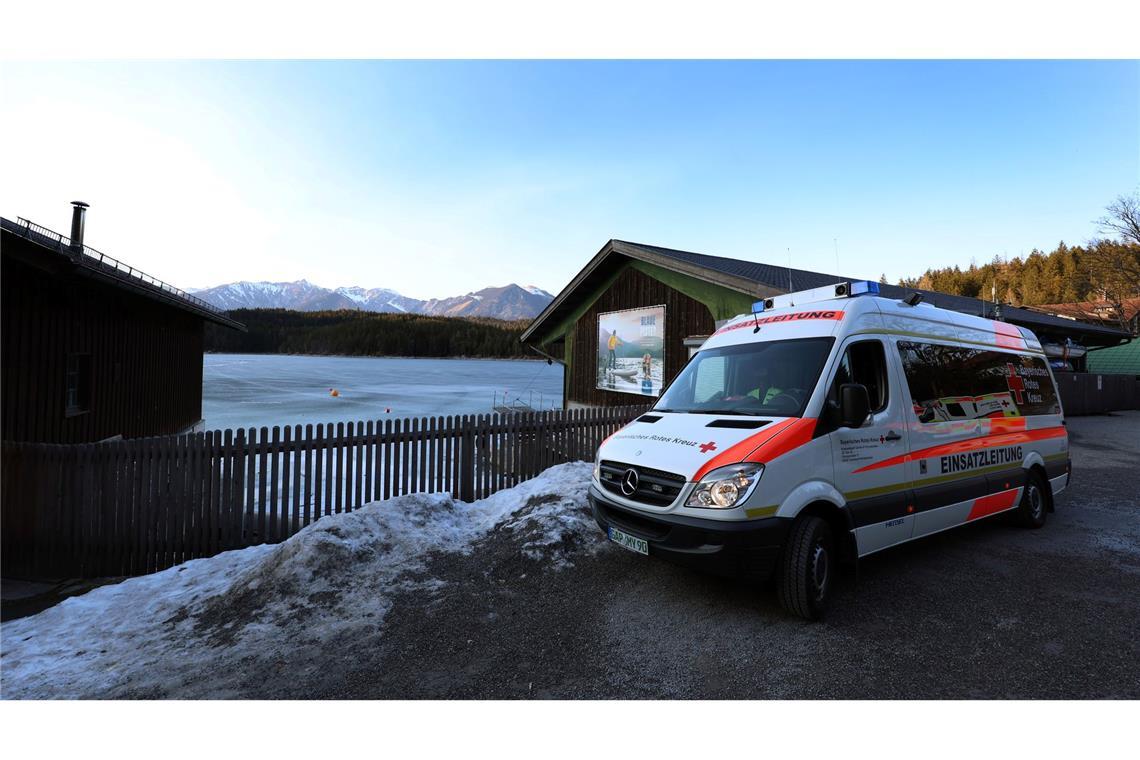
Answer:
(995, 502)
(792, 437)
(739, 452)
(1008, 336)
(970, 444)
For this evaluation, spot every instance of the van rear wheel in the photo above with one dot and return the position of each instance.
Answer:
(1032, 510)
(807, 568)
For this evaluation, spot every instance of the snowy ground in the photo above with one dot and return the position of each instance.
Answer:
(205, 628)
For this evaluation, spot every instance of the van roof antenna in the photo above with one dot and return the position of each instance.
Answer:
(790, 288)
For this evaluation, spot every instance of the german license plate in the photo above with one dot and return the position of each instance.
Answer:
(626, 541)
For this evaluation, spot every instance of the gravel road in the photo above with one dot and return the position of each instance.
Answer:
(984, 611)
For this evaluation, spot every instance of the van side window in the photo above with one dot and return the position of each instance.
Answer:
(956, 383)
(865, 363)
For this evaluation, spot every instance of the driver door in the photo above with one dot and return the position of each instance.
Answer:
(869, 469)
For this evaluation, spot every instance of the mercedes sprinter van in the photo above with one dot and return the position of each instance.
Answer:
(830, 424)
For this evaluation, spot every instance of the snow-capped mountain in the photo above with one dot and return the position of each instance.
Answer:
(379, 299)
(301, 295)
(507, 302)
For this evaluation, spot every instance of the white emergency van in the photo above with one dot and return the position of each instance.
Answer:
(828, 425)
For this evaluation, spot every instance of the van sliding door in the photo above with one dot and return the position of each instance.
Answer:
(956, 404)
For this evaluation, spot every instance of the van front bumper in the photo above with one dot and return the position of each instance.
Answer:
(747, 549)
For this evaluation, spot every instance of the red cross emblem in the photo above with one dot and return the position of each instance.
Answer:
(1014, 383)
(707, 447)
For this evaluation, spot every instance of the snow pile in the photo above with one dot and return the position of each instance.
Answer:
(551, 529)
(204, 626)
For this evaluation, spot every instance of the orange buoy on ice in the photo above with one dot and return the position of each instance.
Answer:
(334, 392)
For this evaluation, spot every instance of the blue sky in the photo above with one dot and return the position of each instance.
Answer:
(436, 178)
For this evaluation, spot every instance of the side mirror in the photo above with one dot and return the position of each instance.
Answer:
(854, 405)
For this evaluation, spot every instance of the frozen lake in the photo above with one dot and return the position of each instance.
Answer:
(263, 390)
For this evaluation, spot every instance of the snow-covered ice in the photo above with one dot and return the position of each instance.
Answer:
(239, 611)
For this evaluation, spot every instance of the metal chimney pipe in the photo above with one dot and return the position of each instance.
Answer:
(77, 217)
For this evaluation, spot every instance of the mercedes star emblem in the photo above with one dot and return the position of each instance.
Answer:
(629, 482)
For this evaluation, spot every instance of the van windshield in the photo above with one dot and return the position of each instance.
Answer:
(772, 378)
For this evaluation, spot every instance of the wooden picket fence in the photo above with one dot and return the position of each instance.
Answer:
(141, 505)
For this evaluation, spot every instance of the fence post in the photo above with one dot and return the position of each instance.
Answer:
(467, 460)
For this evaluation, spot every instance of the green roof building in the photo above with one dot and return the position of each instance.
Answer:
(1118, 360)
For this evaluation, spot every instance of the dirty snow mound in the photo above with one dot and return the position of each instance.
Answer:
(210, 626)
(552, 529)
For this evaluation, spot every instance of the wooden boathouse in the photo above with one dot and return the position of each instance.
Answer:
(91, 348)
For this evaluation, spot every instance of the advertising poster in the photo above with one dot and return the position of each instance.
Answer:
(631, 350)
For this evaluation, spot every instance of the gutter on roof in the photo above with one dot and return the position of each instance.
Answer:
(549, 359)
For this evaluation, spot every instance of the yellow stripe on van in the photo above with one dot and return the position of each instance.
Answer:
(936, 480)
(761, 511)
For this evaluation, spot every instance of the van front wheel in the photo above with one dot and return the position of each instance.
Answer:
(807, 568)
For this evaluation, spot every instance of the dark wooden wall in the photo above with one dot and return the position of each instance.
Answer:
(146, 357)
(632, 289)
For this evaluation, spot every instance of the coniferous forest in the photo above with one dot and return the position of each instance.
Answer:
(1064, 275)
(360, 333)
(1107, 268)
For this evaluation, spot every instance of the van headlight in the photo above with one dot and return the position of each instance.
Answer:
(598, 466)
(726, 487)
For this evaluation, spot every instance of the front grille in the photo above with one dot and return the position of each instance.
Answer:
(654, 486)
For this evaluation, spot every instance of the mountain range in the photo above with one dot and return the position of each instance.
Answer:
(507, 302)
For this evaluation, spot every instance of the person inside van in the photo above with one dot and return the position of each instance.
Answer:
(778, 382)
(757, 380)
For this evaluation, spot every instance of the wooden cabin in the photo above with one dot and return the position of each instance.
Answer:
(93, 349)
(661, 303)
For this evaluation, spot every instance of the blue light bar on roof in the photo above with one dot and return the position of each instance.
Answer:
(864, 287)
(757, 307)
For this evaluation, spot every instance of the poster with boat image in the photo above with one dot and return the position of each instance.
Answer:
(631, 350)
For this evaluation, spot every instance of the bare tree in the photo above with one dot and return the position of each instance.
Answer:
(1123, 218)
(1114, 265)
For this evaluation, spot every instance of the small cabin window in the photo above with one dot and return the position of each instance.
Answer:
(78, 384)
